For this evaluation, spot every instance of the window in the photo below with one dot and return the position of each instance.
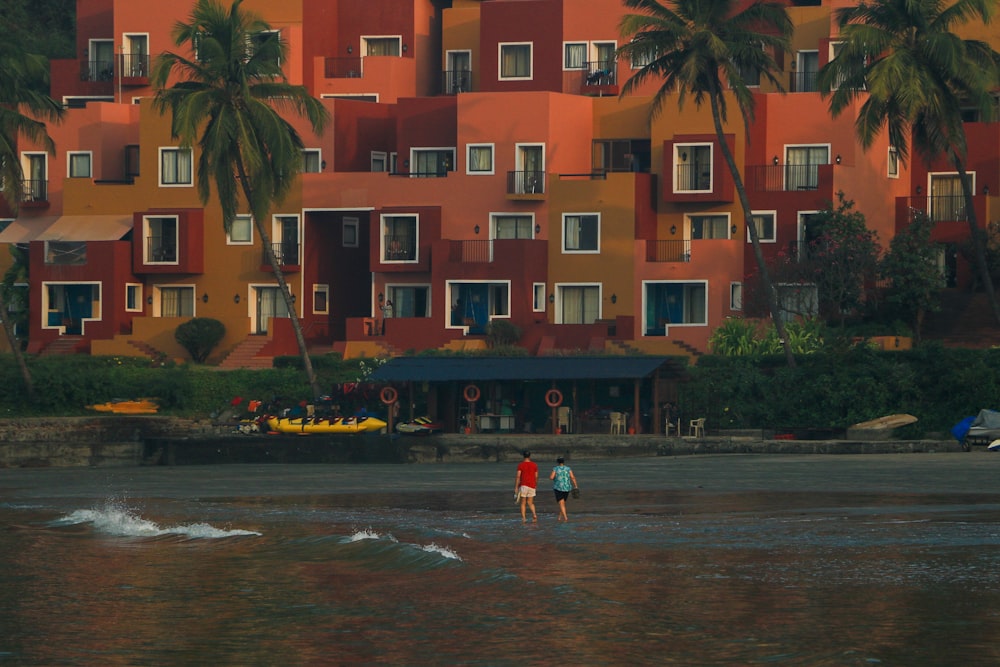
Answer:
(515, 61)
(893, 162)
(578, 304)
(399, 238)
(429, 163)
(379, 161)
(79, 164)
(750, 74)
(797, 300)
(312, 161)
(285, 235)
(175, 167)
(66, 252)
(474, 304)
(135, 56)
(241, 231)
(802, 166)
(382, 46)
(538, 297)
(804, 78)
(350, 239)
(133, 297)
(621, 155)
(410, 300)
(176, 301)
(574, 55)
(35, 167)
(101, 66)
(321, 299)
(259, 39)
(735, 296)
(581, 232)
(764, 224)
(480, 159)
(160, 235)
(693, 167)
(643, 57)
(709, 226)
(947, 201)
(512, 226)
(669, 304)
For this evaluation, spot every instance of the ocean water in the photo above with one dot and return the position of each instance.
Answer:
(698, 560)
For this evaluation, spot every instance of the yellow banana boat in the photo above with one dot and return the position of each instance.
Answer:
(326, 425)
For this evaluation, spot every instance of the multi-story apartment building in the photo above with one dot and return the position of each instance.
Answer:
(479, 166)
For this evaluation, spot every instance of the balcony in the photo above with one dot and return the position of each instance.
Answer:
(97, 70)
(471, 251)
(160, 250)
(286, 255)
(456, 81)
(342, 68)
(803, 82)
(600, 77)
(668, 250)
(134, 69)
(525, 185)
(786, 177)
(939, 208)
(400, 248)
(36, 193)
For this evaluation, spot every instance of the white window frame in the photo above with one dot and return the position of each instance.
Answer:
(562, 228)
(639, 63)
(277, 234)
(449, 287)
(735, 296)
(468, 159)
(147, 234)
(645, 293)
(319, 160)
(538, 298)
(69, 163)
(136, 288)
(774, 226)
(531, 61)
(95, 316)
(557, 290)
(325, 291)
(390, 289)
(364, 45)
(681, 149)
(242, 218)
(431, 149)
(689, 223)
(178, 150)
(502, 214)
(157, 306)
(379, 157)
(416, 238)
(354, 223)
(126, 45)
(892, 166)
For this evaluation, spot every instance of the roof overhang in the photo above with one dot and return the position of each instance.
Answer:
(470, 369)
(67, 228)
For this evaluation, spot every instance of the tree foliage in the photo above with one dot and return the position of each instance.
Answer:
(199, 336)
(910, 268)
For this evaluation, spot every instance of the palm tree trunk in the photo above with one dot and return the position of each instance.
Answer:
(978, 241)
(286, 293)
(765, 277)
(15, 344)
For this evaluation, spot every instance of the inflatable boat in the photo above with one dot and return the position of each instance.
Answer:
(325, 425)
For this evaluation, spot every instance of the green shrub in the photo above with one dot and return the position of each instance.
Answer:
(199, 336)
(502, 333)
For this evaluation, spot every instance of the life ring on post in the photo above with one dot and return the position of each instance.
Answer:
(388, 395)
(471, 393)
(553, 398)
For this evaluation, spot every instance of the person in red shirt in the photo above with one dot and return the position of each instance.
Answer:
(525, 484)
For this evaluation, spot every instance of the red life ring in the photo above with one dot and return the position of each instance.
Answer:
(388, 395)
(553, 398)
(471, 393)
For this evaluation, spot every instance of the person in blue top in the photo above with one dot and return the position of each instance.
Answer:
(563, 482)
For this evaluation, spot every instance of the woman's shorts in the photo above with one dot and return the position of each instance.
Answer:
(527, 492)
(560, 495)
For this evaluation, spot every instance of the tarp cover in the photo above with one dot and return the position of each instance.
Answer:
(986, 420)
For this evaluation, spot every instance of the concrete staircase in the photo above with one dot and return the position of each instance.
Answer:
(64, 345)
(965, 320)
(245, 355)
(147, 350)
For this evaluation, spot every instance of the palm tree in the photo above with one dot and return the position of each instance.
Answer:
(25, 106)
(700, 48)
(229, 98)
(915, 76)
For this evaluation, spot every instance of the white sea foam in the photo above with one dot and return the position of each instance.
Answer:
(119, 521)
(369, 534)
(443, 551)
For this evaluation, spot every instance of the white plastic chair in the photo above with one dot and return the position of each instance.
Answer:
(617, 422)
(564, 419)
(697, 427)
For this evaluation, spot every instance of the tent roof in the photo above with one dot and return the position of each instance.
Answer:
(67, 228)
(462, 369)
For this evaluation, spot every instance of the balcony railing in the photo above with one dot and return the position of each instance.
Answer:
(159, 250)
(692, 177)
(600, 73)
(134, 65)
(342, 68)
(939, 208)
(525, 182)
(285, 254)
(803, 82)
(97, 70)
(456, 81)
(400, 248)
(35, 191)
(782, 177)
(478, 251)
(668, 250)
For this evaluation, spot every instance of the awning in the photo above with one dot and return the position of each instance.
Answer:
(465, 369)
(67, 228)
(87, 228)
